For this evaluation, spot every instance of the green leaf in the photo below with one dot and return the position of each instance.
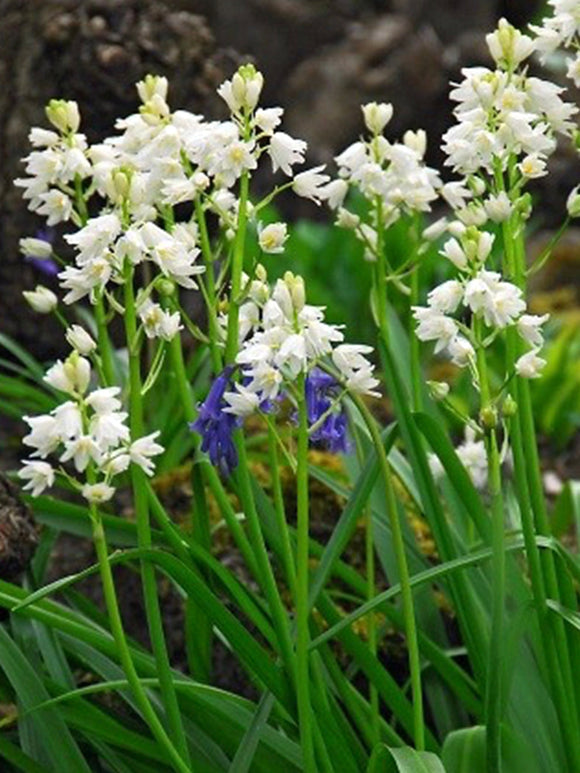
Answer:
(15, 756)
(464, 751)
(404, 759)
(566, 510)
(48, 723)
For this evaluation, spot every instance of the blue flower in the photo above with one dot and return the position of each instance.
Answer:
(321, 390)
(216, 427)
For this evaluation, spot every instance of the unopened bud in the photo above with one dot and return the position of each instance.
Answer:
(64, 115)
(573, 203)
(80, 340)
(165, 287)
(438, 390)
(295, 285)
(377, 116)
(509, 407)
(151, 86)
(488, 417)
(41, 299)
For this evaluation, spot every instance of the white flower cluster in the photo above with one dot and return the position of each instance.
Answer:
(282, 336)
(497, 303)
(88, 430)
(504, 113)
(561, 30)
(392, 174)
(56, 166)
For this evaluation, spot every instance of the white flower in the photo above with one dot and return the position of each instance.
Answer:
(272, 237)
(158, 323)
(334, 194)
(529, 327)
(346, 219)
(97, 493)
(71, 376)
(39, 475)
(530, 365)
(363, 382)
(500, 303)
(309, 184)
(68, 420)
(44, 435)
(243, 402)
(266, 380)
(56, 206)
(104, 400)
(80, 340)
(109, 429)
(461, 351)
(499, 208)
(434, 326)
(447, 297)
(267, 119)
(456, 194)
(292, 355)
(377, 116)
(474, 458)
(41, 299)
(81, 450)
(285, 151)
(573, 71)
(532, 166)
(348, 357)
(143, 449)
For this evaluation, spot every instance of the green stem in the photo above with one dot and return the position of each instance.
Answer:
(370, 594)
(123, 649)
(493, 696)
(528, 471)
(216, 357)
(404, 577)
(237, 269)
(105, 346)
(265, 573)
(302, 557)
(280, 510)
(141, 503)
(414, 346)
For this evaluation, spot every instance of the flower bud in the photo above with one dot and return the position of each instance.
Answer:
(295, 286)
(152, 85)
(37, 248)
(261, 273)
(488, 417)
(573, 202)
(165, 287)
(509, 407)
(438, 390)
(377, 116)
(508, 46)
(416, 141)
(80, 340)
(41, 299)
(64, 115)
